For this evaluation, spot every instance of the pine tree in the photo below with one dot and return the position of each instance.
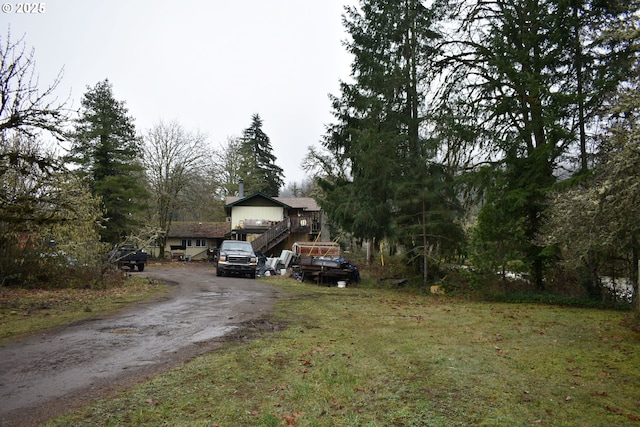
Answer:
(106, 150)
(258, 168)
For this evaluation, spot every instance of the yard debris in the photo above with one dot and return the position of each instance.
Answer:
(437, 289)
(271, 266)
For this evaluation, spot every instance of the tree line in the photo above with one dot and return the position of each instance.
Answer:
(499, 134)
(496, 134)
(60, 212)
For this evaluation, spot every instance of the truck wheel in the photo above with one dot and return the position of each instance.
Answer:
(140, 267)
(218, 272)
(253, 275)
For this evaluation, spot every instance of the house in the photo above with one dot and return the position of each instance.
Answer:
(193, 240)
(272, 224)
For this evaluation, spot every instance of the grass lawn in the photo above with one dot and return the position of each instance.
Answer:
(363, 357)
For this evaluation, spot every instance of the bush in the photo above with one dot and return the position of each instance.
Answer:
(50, 269)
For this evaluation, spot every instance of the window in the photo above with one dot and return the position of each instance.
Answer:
(198, 243)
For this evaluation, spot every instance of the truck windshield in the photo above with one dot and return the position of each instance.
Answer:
(244, 247)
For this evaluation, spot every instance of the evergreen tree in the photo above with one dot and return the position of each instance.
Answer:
(40, 200)
(395, 185)
(598, 61)
(532, 93)
(258, 168)
(106, 150)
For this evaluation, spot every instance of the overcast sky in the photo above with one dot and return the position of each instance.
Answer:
(210, 65)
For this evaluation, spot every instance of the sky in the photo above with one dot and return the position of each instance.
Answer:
(209, 65)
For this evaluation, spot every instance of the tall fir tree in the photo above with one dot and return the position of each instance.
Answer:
(530, 87)
(106, 151)
(380, 126)
(598, 60)
(258, 168)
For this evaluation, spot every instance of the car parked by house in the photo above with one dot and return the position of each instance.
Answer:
(129, 256)
(236, 257)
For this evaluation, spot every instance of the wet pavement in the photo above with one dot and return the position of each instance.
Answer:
(54, 371)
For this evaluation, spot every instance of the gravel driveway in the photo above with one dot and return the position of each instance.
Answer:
(54, 371)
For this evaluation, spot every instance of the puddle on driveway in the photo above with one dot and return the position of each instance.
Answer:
(121, 330)
(210, 294)
(88, 359)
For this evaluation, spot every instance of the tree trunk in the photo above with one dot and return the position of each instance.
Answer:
(635, 274)
(584, 163)
(425, 243)
(595, 290)
(162, 242)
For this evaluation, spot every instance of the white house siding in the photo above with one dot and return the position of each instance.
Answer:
(241, 213)
(191, 252)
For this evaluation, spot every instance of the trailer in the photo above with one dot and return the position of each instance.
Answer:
(322, 263)
(324, 269)
(316, 249)
(327, 271)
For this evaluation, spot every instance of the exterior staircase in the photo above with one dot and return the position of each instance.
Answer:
(270, 238)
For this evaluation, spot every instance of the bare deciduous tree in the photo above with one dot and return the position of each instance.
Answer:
(229, 163)
(173, 158)
(48, 217)
(24, 107)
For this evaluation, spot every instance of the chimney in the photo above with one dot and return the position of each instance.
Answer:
(241, 188)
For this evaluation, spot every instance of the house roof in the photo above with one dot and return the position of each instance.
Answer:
(199, 229)
(304, 203)
(234, 200)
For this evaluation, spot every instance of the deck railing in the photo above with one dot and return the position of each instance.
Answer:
(277, 233)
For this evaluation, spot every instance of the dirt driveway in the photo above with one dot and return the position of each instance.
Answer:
(67, 367)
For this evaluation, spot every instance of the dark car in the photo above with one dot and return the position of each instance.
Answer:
(237, 257)
(129, 256)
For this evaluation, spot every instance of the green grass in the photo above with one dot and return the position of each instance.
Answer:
(363, 357)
